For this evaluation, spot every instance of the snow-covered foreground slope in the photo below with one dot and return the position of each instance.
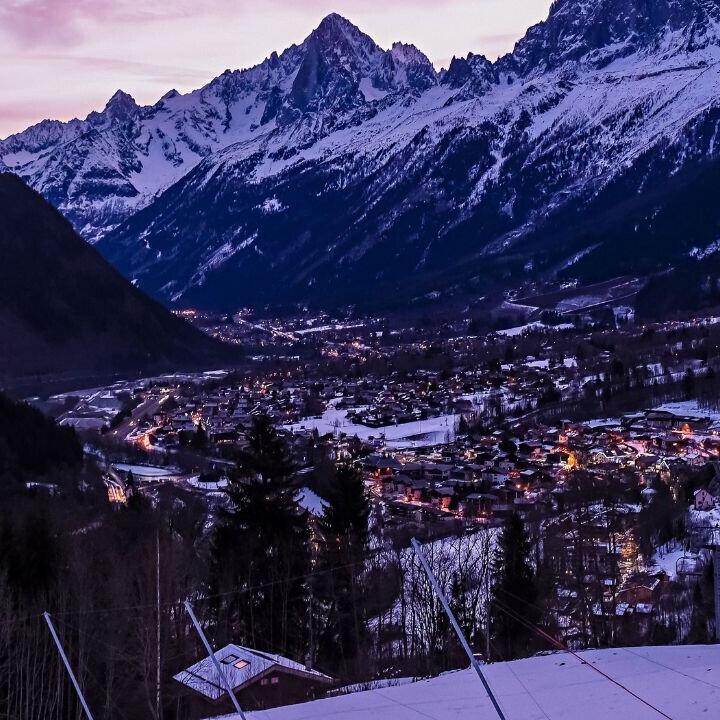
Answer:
(683, 682)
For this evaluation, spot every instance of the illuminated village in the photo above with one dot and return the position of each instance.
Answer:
(464, 444)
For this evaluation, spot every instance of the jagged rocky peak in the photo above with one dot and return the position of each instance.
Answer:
(40, 136)
(164, 101)
(119, 108)
(408, 54)
(342, 68)
(341, 46)
(270, 78)
(334, 30)
(419, 73)
(474, 73)
(600, 31)
(335, 56)
(121, 101)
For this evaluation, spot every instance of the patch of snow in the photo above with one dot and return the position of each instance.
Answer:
(433, 431)
(213, 486)
(326, 328)
(311, 502)
(370, 92)
(702, 253)
(149, 472)
(271, 205)
(529, 327)
(681, 681)
(689, 408)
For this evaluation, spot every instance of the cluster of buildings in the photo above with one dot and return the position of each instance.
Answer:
(482, 478)
(581, 487)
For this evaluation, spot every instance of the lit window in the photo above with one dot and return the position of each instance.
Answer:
(240, 664)
(274, 680)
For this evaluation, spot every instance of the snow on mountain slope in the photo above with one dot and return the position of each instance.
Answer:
(338, 166)
(101, 170)
(423, 186)
(683, 682)
(597, 33)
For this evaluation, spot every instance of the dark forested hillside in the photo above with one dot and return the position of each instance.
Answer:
(65, 312)
(31, 444)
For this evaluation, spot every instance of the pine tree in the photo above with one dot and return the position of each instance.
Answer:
(346, 515)
(261, 545)
(454, 655)
(514, 593)
(463, 427)
(343, 531)
(698, 632)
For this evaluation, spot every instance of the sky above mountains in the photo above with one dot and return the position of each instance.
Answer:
(63, 58)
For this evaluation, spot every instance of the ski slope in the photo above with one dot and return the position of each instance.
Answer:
(683, 682)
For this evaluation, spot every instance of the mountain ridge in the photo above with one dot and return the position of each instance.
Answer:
(98, 180)
(337, 165)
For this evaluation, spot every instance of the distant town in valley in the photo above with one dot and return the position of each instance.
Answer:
(602, 434)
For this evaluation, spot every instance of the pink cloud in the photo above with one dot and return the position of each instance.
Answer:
(32, 21)
(19, 115)
(153, 72)
(66, 21)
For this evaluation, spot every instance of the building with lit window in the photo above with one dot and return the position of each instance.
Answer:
(260, 680)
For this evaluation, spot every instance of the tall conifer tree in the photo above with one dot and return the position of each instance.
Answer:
(343, 535)
(261, 546)
(514, 593)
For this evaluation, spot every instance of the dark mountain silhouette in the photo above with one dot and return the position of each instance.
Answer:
(65, 313)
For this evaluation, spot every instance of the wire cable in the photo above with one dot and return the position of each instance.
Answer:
(561, 646)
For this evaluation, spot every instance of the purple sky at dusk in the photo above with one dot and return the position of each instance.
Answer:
(63, 58)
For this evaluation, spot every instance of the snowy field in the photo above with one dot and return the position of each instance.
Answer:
(433, 431)
(683, 682)
(522, 329)
(328, 328)
(672, 559)
(689, 408)
(311, 502)
(147, 472)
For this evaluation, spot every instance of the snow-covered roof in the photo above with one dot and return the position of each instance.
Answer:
(240, 665)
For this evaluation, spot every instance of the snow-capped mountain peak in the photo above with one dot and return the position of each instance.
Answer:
(343, 68)
(102, 169)
(121, 104)
(121, 107)
(334, 29)
(337, 163)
